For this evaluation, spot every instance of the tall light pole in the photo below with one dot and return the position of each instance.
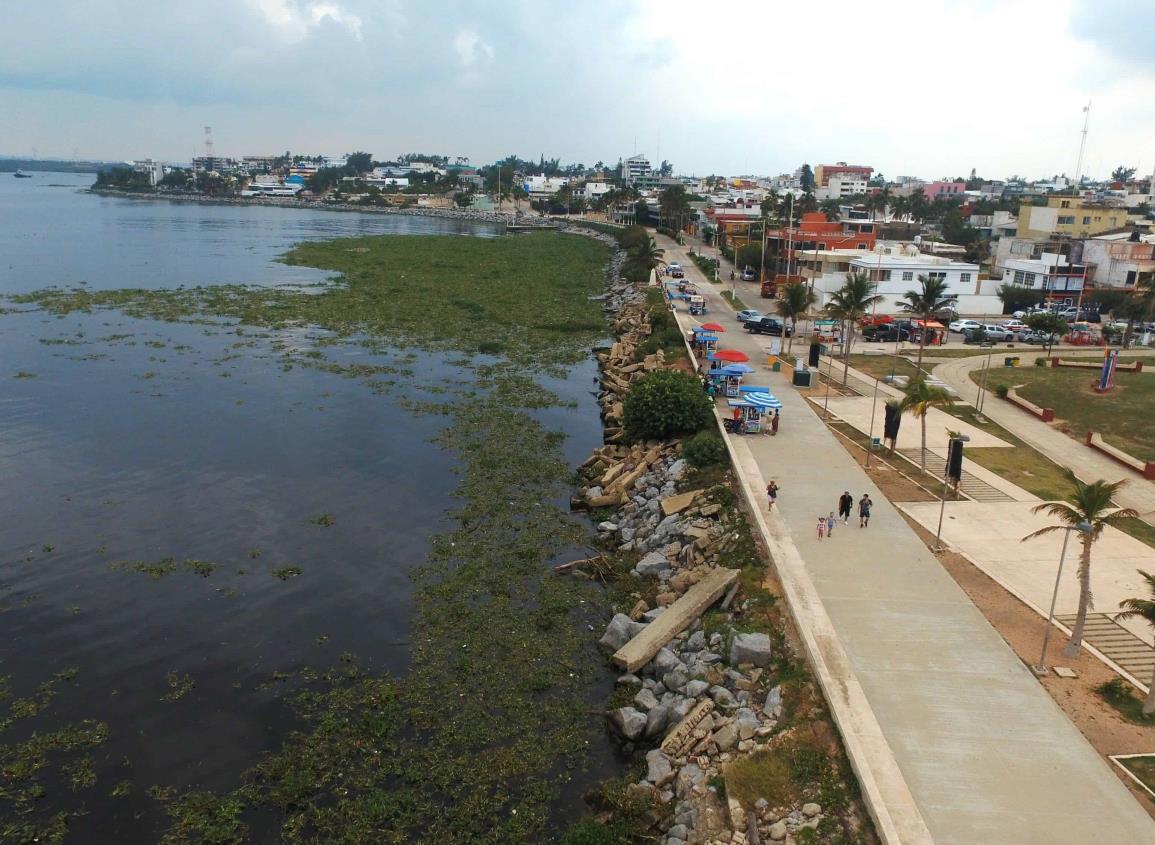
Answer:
(1082, 528)
(870, 436)
(961, 438)
(982, 397)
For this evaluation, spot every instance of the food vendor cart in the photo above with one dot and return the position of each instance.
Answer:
(749, 415)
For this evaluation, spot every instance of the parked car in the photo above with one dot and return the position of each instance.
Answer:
(748, 315)
(749, 275)
(998, 333)
(886, 333)
(1013, 325)
(964, 325)
(1037, 338)
(767, 325)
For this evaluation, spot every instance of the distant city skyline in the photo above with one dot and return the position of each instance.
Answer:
(910, 87)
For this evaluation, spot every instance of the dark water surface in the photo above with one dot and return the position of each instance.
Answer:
(126, 440)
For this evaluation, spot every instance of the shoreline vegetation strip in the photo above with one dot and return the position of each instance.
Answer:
(474, 744)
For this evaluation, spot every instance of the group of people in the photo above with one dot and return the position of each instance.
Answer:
(845, 506)
(826, 523)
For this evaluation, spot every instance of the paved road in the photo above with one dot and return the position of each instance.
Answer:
(944, 725)
(1086, 463)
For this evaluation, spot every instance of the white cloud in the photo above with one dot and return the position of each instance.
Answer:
(472, 53)
(294, 21)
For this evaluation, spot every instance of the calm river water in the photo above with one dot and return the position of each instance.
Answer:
(132, 440)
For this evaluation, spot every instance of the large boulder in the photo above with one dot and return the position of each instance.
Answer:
(620, 631)
(658, 769)
(652, 564)
(773, 706)
(750, 648)
(646, 700)
(666, 661)
(628, 722)
(657, 720)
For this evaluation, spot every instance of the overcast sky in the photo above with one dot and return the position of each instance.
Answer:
(920, 87)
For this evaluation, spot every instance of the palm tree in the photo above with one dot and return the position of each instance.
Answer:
(918, 398)
(1144, 608)
(646, 253)
(794, 300)
(1085, 504)
(849, 304)
(900, 206)
(926, 303)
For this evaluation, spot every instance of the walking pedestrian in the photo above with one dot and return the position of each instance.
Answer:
(821, 526)
(774, 424)
(830, 524)
(864, 506)
(772, 493)
(845, 504)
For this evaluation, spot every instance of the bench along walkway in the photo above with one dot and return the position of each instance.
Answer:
(953, 739)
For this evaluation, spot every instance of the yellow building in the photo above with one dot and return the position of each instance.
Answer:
(1069, 216)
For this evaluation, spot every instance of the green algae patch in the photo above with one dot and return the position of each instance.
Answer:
(495, 716)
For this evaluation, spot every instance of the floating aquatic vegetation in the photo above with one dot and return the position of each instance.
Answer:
(178, 686)
(284, 573)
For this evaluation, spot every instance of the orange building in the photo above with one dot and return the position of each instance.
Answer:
(814, 231)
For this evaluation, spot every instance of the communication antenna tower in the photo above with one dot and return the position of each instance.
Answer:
(208, 145)
(1082, 144)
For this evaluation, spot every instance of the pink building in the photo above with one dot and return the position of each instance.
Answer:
(934, 190)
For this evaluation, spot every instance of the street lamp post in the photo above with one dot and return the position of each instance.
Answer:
(982, 397)
(870, 436)
(1083, 528)
(962, 438)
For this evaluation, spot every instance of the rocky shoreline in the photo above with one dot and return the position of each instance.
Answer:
(708, 699)
(444, 213)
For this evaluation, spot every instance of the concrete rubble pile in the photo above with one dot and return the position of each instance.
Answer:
(704, 699)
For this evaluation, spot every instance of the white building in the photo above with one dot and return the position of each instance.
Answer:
(635, 166)
(154, 169)
(1050, 272)
(841, 187)
(1120, 260)
(895, 270)
(593, 191)
(543, 187)
(384, 181)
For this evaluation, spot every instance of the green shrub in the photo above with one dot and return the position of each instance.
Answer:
(1041, 362)
(1115, 689)
(1001, 390)
(704, 449)
(665, 403)
(593, 832)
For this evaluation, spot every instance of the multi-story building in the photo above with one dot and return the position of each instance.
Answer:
(1068, 216)
(635, 166)
(593, 191)
(258, 163)
(895, 270)
(823, 173)
(214, 164)
(946, 190)
(1121, 260)
(841, 187)
(1054, 267)
(153, 169)
(814, 231)
(543, 187)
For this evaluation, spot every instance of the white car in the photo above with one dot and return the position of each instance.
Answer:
(748, 315)
(964, 325)
(1013, 325)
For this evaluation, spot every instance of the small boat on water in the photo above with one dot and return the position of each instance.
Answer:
(20, 174)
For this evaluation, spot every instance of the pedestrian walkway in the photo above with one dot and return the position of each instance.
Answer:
(953, 740)
(1086, 463)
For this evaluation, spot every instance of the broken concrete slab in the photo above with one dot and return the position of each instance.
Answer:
(641, 649)
(676, 504)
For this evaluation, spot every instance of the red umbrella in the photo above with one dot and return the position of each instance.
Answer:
(713, 327)
(732, 355)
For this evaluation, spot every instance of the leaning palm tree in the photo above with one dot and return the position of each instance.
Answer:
(918, 398)
(794, 300)
(849, 304)
(926, 303)
(1090, 504)
(645, 253)
(1145, 609)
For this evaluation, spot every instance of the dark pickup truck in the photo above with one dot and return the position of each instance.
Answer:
(886, 333)
(767, 325)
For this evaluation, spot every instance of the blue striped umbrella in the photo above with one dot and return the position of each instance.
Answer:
(763, 400)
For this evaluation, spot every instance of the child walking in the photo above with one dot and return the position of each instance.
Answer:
(830, 525)
(821, 527)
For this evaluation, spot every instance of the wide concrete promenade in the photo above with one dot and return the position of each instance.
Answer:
(958, 741)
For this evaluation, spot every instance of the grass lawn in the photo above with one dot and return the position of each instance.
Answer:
(1142, 768)
(735, 301)
(1123, 416)
(881, 366)
(1123, 698)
